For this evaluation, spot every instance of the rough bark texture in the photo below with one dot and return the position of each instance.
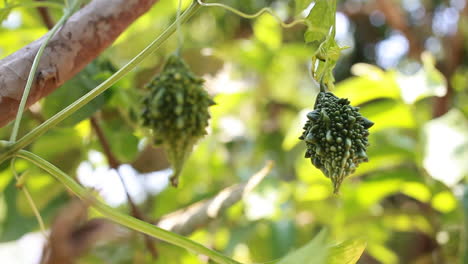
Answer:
(85, 35)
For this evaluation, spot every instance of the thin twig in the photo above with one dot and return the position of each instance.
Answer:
(454, 50)
(114, 164)
(122, 219)
(45, 16)
(397, 20)
(189, 219)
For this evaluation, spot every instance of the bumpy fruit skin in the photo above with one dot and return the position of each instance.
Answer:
(176, 109)
(336, 137)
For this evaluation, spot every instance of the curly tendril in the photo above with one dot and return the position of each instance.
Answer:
(257, 14)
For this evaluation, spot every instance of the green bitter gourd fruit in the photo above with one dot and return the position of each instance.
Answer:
(336, 137)
(176, 109)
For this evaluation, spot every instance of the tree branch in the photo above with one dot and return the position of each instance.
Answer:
(45, 16)
(189, 219)
(114, 163)
(72, 234)
(396, 18)
(85, 35)
(454, 51)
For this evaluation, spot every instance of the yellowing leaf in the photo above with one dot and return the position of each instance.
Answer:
(347, 252)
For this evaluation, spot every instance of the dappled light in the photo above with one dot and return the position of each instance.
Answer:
(254, 131)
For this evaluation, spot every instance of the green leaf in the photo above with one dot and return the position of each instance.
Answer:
(383, 184)
(388, 113)
(426, 82)
(320, 37)
(382, 254)
(283, 236)
(301, 5)
(295, 129)
(85, 81)
(465, 222)
(321, 19)
(4, 12)
(315, 252)
(446, 147)
(372, 83)
(319, 251)
(444, 202)
(123, 142)
(67, 149)
(347, 252)
(43, 188)
(268, 31)
(16, 224)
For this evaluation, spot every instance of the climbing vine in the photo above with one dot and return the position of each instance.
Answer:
(175, 109)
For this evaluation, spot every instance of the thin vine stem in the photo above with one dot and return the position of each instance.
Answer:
(20, 180)
(21, 108)
(180, 36)
(72, 108)
(257, 14)
(120, 218)
(32, 74)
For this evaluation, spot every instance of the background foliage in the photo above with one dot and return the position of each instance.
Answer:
(406, 204)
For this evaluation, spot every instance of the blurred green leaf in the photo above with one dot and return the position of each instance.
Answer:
(314, 252)
(347, 252)
(16, 224)
(123, 141)
(426, 82)
(407, 222)
(464, 254)
(321, 19)
(268, 31)
(43, 188)
(372, 83)
(4, 12)
(319, 251)
(388, 114)
(85, 81)
(5, 177)
(283, 235)
(446, 147)
(383, 254)
(444, 202)
(295, 130)
(67, 150)
(301, 5)
(320, 37)
(386, 182)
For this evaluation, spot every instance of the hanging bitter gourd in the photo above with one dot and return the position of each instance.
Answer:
(176, 109)
(335, 134)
